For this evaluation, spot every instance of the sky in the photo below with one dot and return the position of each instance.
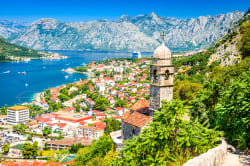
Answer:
(86, 10)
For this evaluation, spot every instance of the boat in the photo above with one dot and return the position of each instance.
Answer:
(136, 54)
(26, 84)
(24, 73)
(7, 71)
(66, 77)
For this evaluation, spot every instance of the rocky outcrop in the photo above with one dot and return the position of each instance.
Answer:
(126, 33)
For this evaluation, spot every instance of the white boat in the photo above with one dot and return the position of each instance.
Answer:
(26, 84)
(66, 77)
(136, 54)
(7, 71)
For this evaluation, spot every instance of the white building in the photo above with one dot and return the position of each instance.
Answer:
(17, 115)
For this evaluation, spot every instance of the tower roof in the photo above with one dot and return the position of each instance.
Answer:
(162, 52)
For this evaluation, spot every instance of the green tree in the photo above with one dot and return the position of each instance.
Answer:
(121, 103)
(75, 147)
(233, 111)
(19, 128)
(101, 103)
(5, 148)
(46, 131)
(245, 39)
(112, 125)
(98, 148)
(185, 89)
(27, 150)
(3, 110)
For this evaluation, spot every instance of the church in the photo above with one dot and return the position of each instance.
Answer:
(161, 88)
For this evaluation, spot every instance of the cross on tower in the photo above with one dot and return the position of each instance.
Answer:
(163, 36)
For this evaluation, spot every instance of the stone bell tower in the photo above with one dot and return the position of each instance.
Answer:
(161, 77)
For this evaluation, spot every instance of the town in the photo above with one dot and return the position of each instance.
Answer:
(79, 112)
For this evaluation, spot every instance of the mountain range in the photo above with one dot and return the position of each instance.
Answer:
(124, 34)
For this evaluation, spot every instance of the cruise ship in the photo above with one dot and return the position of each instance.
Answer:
(136, 54)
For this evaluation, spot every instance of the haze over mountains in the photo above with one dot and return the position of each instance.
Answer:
(124, 34)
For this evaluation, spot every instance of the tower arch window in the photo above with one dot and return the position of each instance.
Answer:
(167, 74)
(155, 75)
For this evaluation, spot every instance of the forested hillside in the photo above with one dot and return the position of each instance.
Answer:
(7, 49)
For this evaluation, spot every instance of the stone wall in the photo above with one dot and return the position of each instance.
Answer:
(129, 131)
(213, 157)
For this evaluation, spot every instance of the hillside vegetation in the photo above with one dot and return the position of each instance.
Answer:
(7, 49)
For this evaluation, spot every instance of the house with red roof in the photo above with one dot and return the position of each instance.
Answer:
(136, 119)
(42, 122)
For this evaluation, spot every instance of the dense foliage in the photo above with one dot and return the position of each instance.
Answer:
(98, 148)
(112, 125)
(5, 148)
(75, 147)
(223, 101)
(245, 39)
(169, 139)
(233, 111)
(30, 150)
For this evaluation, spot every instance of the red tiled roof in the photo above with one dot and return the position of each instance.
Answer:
(68, 109)
(116, 117)
(137, 119)
(43, 120)
(38, 163)
(10, 163)
(83, 122)
(25, 163)
(140, 106)
(69, 162)
(95, 111)
(43, 102)
(100, 114)
(55, 164)
(119, 108)
(61, 124)
(126, 115)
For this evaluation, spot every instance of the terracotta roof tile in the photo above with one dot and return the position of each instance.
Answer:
(137, 119)
(126, 115)
(140, 106)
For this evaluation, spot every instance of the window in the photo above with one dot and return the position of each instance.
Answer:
(155, 75)
(167, 74)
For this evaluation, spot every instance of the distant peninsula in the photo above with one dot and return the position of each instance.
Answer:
(12, 52)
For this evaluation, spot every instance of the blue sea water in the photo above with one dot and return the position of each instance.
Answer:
(42, 74)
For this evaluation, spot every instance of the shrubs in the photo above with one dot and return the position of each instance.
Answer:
(245, 39)
(232, 111)
(97, 149)
(169, 139)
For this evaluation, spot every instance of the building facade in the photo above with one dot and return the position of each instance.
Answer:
(17, 115)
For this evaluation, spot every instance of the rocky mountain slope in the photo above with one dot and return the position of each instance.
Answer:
(8, 28)
(126, 33)
(229, 48)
